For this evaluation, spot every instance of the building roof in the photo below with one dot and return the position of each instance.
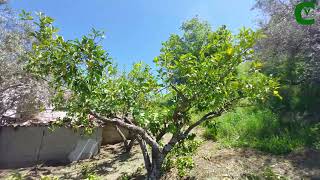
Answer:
(41, 119)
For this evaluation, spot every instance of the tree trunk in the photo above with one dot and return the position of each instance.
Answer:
(157, 160)
(155, 173)
(128, 149)
(153, 167)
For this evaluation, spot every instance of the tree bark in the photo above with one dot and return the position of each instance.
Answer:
(155, 174)
(157, 161)
(145, 154)
(123, 137)
(131, 144)
(153, 167)
(131, 127)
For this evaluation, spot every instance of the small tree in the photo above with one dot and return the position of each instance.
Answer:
(197, 73)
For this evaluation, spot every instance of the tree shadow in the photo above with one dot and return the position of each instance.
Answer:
(108, 166)
(110, 157)
(117, 156)
(307, 160)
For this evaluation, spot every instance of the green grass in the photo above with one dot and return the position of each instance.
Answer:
(258, 128)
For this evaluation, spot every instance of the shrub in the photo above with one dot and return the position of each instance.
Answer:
(181, 156)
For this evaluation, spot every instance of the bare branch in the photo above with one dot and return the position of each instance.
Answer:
(160, 135)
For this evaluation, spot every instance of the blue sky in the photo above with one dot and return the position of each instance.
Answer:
(135, 28)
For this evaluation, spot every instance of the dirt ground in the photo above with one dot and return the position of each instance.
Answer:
(211, 162)
(111, 163)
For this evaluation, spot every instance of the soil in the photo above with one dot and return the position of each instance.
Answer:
(212, 161)
(111, 163)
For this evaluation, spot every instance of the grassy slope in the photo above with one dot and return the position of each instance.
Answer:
(260, 129)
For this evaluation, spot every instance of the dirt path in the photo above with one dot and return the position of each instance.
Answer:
(212, 162)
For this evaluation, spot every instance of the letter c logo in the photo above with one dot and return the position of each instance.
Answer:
(298, 12)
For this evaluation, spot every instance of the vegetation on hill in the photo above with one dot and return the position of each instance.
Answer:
(290, 53)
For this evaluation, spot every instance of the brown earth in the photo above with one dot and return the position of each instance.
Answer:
(211, 162)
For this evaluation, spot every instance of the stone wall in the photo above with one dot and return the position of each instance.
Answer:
(110, 134)
(27, 146)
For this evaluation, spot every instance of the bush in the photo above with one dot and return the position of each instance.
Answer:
(259, 128)
(181, 156)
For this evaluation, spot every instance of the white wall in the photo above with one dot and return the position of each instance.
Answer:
(24, 146)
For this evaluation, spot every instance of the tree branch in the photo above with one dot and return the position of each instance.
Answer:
(179, 137)
(161, 134)
(131, 127)
(124, 139)
(185, 99)
(145, 153)
(203, 119)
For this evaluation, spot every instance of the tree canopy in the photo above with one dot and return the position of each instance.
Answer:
(290, 51)
(197, 72)
(288, 43)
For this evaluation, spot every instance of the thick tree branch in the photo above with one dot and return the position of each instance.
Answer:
(145, 153)
(123, 137)
(131, 127)
(179, 93)
(181, 136)
(161, 134)
(211, 115)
